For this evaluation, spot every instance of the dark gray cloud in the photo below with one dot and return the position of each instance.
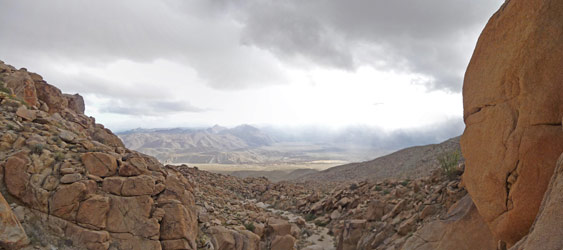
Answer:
(433, 37)
(98, 32)
(225, 42)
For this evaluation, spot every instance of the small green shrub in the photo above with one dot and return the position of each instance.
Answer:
(310, 217)
(321, 223)
(59, 156)
(448, 163)
(4, 89)
(386, 192)
(378, 188)
(405, 183)
(250, 226)
(37, 148)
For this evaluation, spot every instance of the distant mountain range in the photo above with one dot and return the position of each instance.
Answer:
(208, 145)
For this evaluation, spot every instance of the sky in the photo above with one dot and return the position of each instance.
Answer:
(392, 65)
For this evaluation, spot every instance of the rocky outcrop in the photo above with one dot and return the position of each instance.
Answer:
(72, 185)
(513, 105)
(547, 232)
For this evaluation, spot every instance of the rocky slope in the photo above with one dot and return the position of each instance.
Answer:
(411, 162)
(513, 106)
(72, 185)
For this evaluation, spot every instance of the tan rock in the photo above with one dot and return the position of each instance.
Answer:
(16, 176)
(129, 170)
(70, 178)
(128, 241)
(463, 228)
(278, 227)
(93, 212)
(375, 210)
(75, 103)
(105, 136)
(22, 86)
(99, 164)
(51, 95)
(131, 215)
(349, 237)
(87, 239)
(222, 238)
(65, 200)
(138, 185)
(178, 222)
(113, 185)
(259, 229)
(250, 240)
(407, 226)
(180, 244)
(513, 105)
(12, 234)
(25, 113)
(428, 211)
(547, 232)
(285, 242)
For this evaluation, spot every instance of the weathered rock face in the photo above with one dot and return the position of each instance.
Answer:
(547, 232)
(513, 105)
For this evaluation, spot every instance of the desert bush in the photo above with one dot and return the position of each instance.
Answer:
(448, 163)
(310, 217)
(321, 223)
(37, 148)
(250, 226)
(59, 156)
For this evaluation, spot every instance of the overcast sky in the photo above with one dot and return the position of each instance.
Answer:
(393, 65)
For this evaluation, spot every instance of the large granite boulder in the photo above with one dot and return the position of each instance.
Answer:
(513, 105)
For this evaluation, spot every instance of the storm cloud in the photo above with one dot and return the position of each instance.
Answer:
(252, 61)
(239, 44)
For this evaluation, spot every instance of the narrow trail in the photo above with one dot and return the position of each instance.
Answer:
(320, 239)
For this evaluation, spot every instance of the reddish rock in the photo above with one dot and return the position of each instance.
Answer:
(93, 212)
(51, 95)
(513, 105)
(113, 185)
(138, 185)
(547, 231)
(16, 176)
(12, 235)
(131, 215)
(99, 164)
(65, 200)
(178, 222)
(22, 86)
